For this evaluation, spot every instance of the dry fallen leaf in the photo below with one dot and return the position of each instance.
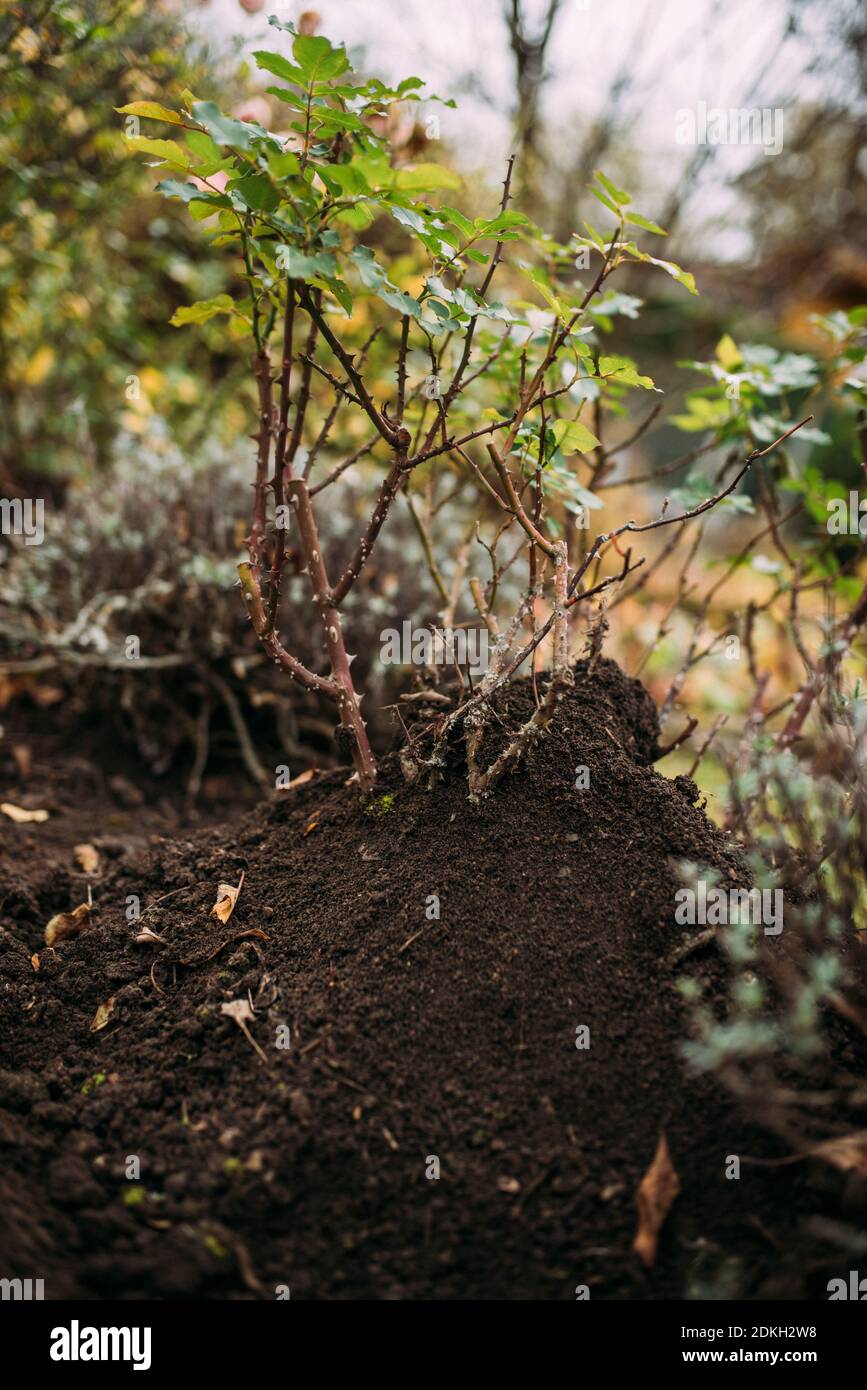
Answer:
(312, 826)
(849, 1153)
(102, 1015)
(656, 1193)
(227, 896)
(88, 858)
(302, 778)
(34, 960)
(146, 936)
(240, 1011)
(20, 815)
(65, 924)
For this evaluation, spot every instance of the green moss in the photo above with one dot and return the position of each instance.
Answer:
(232, 1166)
(92, 1082)
(134, 1196)
(380, 805)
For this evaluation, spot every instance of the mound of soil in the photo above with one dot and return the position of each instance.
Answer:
(174, 1152)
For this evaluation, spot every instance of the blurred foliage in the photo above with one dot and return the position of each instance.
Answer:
(783, 1034)
(91, 265)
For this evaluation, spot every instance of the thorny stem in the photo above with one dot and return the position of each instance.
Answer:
(279, 482)
(348, 703)
(262, 370)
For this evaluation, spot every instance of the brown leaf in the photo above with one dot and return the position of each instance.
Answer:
(238, 1009)
(848, 1153)
(312, 826)
(656, 1193)
(102, 1015)
(302, 778)
(88, 859)
(227, 896)
(34, 960)
(22, 816)
(67, 924)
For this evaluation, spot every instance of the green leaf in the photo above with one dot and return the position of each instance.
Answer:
(728, 352)
(358, 217)
(503, 222)
(457, 219)
(280, 67)
(171, 188)
(684, 277)
(540, 280)
(296, 100)
(318, 59)
(438, 287)
(224, 129)
(408, 217)
(202, 146)
(329, 120)
(426, 176)
(341, 292)
(620, 369)
(616, 194)
(376, 169)
(168, 150)
(371, 272)
(605, 200)
(202, 311)
(573, 437)
(402, 302)
(200, 210)
(347, 178)
(152, 110)
(299, 266)
(646, 223)
(283, 166)
(595, 237)
(256, 192)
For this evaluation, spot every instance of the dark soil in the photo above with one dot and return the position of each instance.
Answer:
(411, 1038)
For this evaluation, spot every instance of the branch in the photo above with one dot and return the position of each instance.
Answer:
(275, 649)
(387, 491)
(388, 432)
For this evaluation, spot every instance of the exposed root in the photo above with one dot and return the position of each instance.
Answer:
(482, 783)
